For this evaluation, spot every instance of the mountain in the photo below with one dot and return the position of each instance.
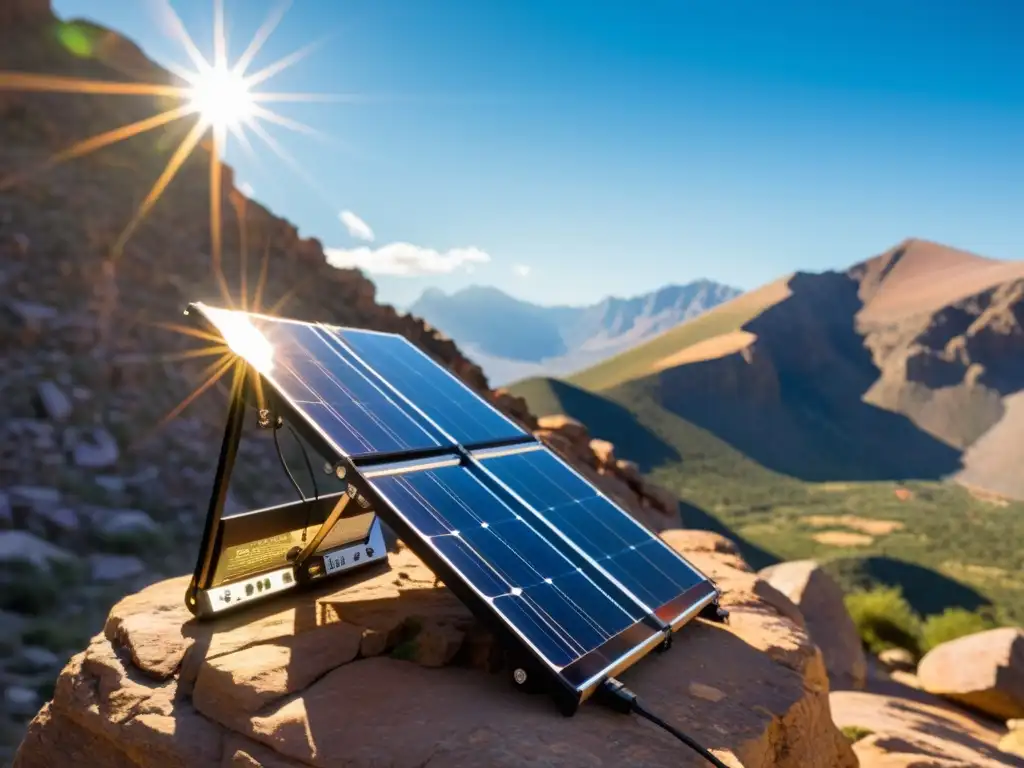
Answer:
(847, 400)
(511, 339)
(910, 364)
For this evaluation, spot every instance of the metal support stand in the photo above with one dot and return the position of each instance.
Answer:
(225, 465)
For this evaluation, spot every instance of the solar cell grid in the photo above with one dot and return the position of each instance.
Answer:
(353, 411)
(562, 610)
(446, 401)
(640, 562)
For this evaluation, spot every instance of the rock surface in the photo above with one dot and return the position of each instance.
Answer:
(902, 732)
(984, 671)
(395, 672)
(820, 600)
(1013, 741)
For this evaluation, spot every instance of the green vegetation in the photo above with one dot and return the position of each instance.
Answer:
(885, 620)
(856, 732)
(942, 545)
(953, 623)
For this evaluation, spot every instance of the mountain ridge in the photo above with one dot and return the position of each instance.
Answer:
(924, 341)
(510, 337)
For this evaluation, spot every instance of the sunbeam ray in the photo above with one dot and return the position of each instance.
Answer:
(282, 153)
(179, 31)
(27, 81)
(282, 64)
(218, 368)
(262, 35)
(173, 165)
(187, 331)
(344, 98)
(86, 146)
(220, 40)
(295, 125)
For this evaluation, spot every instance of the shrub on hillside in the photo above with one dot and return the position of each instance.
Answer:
(885, 619)
(951, 624)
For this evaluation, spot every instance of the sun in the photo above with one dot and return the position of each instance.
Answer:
(221, 97)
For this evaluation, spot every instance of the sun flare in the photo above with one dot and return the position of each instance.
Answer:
(220, 100)
(221, 97)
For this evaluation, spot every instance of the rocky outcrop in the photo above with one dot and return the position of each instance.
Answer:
(899, 731)
(820, 600)
(984, 671)
(395, 671)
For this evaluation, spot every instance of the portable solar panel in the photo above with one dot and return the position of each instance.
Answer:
(575, 588)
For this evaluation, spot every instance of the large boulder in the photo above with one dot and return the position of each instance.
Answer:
(894, 731)
(820, 600)
(984, 671)
(394, 671)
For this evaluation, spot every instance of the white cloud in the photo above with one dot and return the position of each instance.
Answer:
(246, 189)
(406, 259)
(356, 227)
(523, 270)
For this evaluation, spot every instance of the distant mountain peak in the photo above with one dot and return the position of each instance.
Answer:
(504, 333)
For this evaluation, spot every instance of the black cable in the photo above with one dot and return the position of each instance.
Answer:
(615, 695)
(284, 466)
(305, 457)
(295, 484)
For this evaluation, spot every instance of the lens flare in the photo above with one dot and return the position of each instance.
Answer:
(222, 98)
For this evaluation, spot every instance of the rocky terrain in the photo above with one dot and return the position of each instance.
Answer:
(153, 690)
(100, 492)
(513, 339)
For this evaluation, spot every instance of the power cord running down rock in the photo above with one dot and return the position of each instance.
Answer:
(618, 697)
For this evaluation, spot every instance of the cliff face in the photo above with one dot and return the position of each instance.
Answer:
(104, 480)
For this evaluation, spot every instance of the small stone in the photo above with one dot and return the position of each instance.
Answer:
(34, 497)
(49, 521)
(39, 659)
(23, 546)
(52, 401)
(92, 448)
(897, 658)
(106, 568)
(111, 483)
(31, 314)
(81, 394)
(22, 242)
(21, 701)
(117, 523)
(604, 451)
(706, 692)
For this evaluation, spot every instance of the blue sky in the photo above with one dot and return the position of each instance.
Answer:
(566, 150)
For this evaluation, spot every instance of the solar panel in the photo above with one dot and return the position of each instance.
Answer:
(642, 564)
(440, 397)
(337, 396)
(527, 576)
(576, 587)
